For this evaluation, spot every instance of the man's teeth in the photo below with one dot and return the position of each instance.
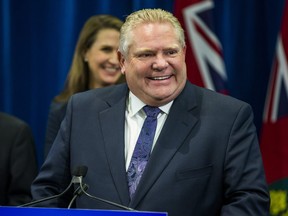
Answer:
(160, 78)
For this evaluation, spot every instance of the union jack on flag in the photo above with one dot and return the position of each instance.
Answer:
(274, 134)
(204, 58)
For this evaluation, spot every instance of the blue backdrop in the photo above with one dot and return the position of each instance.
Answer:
(38, 39)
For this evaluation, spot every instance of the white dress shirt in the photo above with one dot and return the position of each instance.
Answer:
(134, 120)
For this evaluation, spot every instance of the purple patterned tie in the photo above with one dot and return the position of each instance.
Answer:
(142, 149)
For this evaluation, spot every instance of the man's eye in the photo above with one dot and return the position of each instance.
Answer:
(144, 55)
(171, 52)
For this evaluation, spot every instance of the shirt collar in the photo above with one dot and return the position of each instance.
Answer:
(135, 105)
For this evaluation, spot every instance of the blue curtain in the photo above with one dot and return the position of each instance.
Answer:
(38, 39)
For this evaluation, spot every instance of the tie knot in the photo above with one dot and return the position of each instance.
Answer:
(151, 111)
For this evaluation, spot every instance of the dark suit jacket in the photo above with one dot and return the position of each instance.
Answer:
(56, 115)
(206, 160)
(18, 165)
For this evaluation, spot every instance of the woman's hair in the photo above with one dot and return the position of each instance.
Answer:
(147, 16)
(78, 77)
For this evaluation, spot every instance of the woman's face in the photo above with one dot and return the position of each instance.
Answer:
(102, 59)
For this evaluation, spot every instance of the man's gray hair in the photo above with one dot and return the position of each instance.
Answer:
(147, 16)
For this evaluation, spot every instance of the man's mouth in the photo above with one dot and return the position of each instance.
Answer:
(160, 77)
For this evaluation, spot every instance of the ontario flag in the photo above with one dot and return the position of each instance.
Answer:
(274, 134)
(204, 59)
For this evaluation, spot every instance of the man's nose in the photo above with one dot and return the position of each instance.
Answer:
(159, 63)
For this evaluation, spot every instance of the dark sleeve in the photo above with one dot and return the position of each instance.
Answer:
(246, 191)
(23, 166)
(54, 175)
(56, 115)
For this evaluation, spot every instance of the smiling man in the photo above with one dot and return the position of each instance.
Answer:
(158, 143)
(154, 65)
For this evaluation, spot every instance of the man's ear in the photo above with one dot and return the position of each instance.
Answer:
(121, 60)
(184, 50)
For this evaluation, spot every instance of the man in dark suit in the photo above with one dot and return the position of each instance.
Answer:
(205, 158)
(18, 166)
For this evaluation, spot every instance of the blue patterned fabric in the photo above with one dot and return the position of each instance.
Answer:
(142, 149)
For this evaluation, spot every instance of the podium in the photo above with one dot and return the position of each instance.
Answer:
(31, 211)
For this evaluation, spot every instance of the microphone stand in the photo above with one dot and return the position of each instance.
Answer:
(102, 200)
(77, 179)
(47, 198)
(78, 192)
(78, 174)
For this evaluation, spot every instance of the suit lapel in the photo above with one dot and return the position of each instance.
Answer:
(112, 122)
(178, 125)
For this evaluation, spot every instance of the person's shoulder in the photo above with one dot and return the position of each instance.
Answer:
(104, 93)
(56, 106)
(57, 111)
(9, 119)
(11, 122)
(213, 98)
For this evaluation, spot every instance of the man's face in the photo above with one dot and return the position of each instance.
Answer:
(155, 66)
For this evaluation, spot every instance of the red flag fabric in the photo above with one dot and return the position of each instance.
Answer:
(205, 65)
(274, 134)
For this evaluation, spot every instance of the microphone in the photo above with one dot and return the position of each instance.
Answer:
(78, 174)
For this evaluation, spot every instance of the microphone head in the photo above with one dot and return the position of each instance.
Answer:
(80, 171)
